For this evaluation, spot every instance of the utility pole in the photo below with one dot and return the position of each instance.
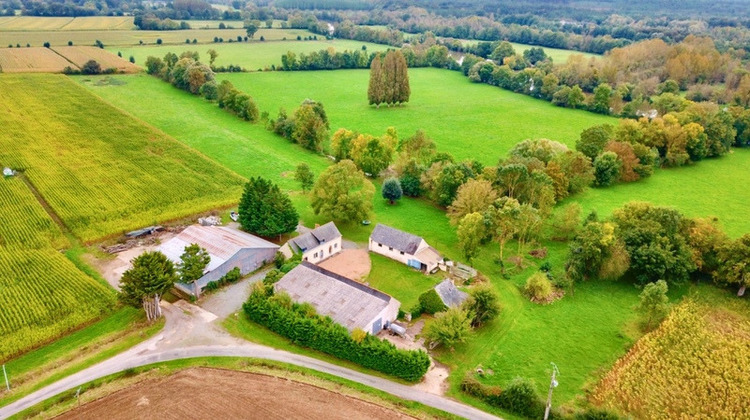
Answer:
(7, 384)
(552, 385)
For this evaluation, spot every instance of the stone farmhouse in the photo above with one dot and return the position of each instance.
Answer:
(316, 245)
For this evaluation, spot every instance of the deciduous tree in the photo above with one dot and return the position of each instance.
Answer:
(304, 176)
(151, 276)
(654, 303)
(392, 190)
(449, 328)
(343, 193)
(471, 231)
(473, 196)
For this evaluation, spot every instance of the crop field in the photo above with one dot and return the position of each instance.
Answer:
(692, 366)
(31, 60)
(128, 37)
(467, 120)
(42, 293)
(252, 56)
(100, 170)
(80, 55)
(87, 23)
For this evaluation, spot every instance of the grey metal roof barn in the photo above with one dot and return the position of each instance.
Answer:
(397, 239)
(322, 234)
(449, 294)
(228, 248)
(347, 302)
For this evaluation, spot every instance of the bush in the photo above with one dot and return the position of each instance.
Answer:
(158, 41)
(521, 397)
(430, 302)
(596, 414)
(211, 286)
(232, 276)
(538, 287)
(272, 277)
(321, 333)
(46, 45)
(91, 67)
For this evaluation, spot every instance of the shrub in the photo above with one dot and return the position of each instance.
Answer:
(430, 302)
(211, 286)
(158, 41)
(272, 277)
(91, 67)
(46, 45)
(521, 397)
(321, 333)
(596, 414)
(70, 43)
(232, 276)
(538, 287)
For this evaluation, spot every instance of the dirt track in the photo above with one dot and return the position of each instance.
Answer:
(350, 263)
(203, 393)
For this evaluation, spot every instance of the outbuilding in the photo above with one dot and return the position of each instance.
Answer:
(227, 247)
(449, 294)
(347, 302)
(404, 247)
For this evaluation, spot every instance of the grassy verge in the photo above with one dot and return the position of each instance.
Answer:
(117, 332)
(112, 383)
(398, 280)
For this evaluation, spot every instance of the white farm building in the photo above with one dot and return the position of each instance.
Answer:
(404, 247)
(228, 248)
(315, 245)
(347, 302)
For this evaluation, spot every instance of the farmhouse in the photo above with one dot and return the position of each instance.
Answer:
(449, 294)
(401, 246)
(228, 248)
(346, 301)
(316, 245)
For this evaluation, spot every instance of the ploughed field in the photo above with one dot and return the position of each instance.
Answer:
(216, 393)
(100, 170)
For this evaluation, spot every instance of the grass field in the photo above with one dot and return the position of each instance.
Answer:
(559, 56)
(87, 23)
(43, 294)
(31, 60)
(701, 190)
(128, 37)
(99, 169)
(692, 366)
(467, 120)
(252, 56)
(399, 281)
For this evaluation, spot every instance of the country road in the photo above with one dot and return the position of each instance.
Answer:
(190, 331)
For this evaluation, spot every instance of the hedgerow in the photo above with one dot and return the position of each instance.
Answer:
(305, 328)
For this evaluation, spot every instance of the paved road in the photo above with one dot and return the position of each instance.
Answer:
(191, 331)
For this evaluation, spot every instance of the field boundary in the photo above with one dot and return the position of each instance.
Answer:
(45, 205)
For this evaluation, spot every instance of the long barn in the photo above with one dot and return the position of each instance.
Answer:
(228, 248)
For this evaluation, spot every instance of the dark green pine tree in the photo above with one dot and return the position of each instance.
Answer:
(265, 210)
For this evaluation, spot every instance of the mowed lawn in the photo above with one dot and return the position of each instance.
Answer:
(706, 189)
(467, 120)
(249, 55)
(102, 171)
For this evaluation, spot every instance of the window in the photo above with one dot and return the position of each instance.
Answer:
(315, 255)
(380, 245)
(390, 248)
(335, 246)
(402, 252)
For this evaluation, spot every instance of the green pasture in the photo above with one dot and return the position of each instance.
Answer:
(111, 38)
(705, 189)
(467, 120)
(250, 55)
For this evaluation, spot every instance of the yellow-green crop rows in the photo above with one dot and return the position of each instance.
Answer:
(42, 293)
(102, 171)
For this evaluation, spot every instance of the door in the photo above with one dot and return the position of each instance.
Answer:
(377, 326)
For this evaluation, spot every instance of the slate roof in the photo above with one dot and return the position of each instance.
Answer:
(326, 233)
(397, 239)
(449, 294)
(347, 302)
(222, 243)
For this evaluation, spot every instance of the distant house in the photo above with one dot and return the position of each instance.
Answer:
(449, 294)
(316, 245)
(347, 302)
(228, 248)
(401, 246)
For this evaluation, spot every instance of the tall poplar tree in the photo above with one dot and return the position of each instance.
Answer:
(376, 89)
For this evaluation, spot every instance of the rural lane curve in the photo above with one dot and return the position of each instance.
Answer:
(190, 332)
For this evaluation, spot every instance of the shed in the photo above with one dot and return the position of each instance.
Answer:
(227, 247)
(449, 293)
(347, 302)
